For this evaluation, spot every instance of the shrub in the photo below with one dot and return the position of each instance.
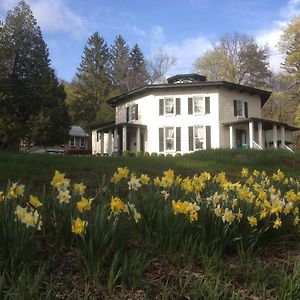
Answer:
(154, 154)
(139, 154)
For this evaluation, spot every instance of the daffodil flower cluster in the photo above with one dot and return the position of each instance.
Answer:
(187, 208)
(61, 184)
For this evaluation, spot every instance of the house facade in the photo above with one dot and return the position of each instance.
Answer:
(189, 114)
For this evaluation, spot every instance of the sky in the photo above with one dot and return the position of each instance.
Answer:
(184, 29)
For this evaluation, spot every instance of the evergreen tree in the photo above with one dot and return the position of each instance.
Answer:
(90, 89)
(138, 74)
(32, 98)
(120, 65)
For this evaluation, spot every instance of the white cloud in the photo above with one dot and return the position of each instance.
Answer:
(187, 52)
(53, 16)
(272, 35)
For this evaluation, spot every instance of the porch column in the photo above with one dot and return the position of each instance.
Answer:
(138, 139)
(102, 142)
(116, 140)
(251, 127)
(231, 137)
(109, 142)
(260, 135)
(124, 129)
(275, 136)
(282, 137)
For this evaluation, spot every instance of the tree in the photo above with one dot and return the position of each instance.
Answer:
(29, 87)
(89, 91)
(289, 45)
(159, 66)
(138, 74)
(236, 58)
(120, 65)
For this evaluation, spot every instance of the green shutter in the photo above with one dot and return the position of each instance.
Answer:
(178, 106)
(246, 109)
(190, 106)
(136, 112)
(191, 138)
(208, 137)
(235, 108)
(207, 105)
(161, 140)
(161, 107)
(127, 114)
(178, 138)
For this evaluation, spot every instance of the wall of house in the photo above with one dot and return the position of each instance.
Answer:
(148, 114)
(226, 113)
(96, 143)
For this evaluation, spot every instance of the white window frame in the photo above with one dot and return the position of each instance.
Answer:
(82, 139)
(131, 116)
(203, 138)
(240, 108)
(168, 107)
(200, 98)
(169, 138)
(72, 141)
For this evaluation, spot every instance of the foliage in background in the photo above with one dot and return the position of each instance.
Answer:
(32, 100)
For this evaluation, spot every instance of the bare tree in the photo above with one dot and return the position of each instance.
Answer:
(159, 65)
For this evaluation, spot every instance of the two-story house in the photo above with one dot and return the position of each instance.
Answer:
(187, 114)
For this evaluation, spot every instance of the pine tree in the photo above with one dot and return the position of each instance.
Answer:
(138, 74)
(28, 83)
(91, 88)
(120, 65)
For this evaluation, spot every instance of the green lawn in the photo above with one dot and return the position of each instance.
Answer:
(37, 170)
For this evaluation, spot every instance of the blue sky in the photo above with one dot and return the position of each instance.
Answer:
(184, 29)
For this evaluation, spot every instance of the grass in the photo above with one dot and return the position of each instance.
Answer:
(36, 170)
(161, 257)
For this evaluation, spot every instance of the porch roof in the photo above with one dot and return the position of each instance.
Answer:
(267, 124)
(111, 126)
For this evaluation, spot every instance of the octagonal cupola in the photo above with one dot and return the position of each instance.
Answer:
(186, 78)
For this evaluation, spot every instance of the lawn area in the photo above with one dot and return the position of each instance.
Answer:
(106, 230)
(36, 170)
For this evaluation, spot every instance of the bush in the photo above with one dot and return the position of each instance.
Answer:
(161, 155)
(126, 153)
(154, 154)
(139, 154)
(146, 153)
(178, 154)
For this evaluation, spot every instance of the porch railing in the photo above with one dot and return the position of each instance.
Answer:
(289, 149)
(256, 146)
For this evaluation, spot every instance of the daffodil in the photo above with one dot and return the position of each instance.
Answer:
(117, 205)
(79, 226)
(252, 221)
(277, 223)
(144, 179)
(15, 191)
(134, 183)
(64, 196)
(34, 201)
(84, 204)
(228, 216)
(79, 188)
(59, 181)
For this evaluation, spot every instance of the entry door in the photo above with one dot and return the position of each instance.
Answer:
(240, 138)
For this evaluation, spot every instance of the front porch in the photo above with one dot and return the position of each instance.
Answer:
(114, 139)
(260, 134)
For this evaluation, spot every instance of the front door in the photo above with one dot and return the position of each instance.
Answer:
(240, 138)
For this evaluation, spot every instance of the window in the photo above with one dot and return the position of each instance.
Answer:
(72, 142)
(169, 138)
(132, 113)
(240, 108)
(82, 142)
(199, 137)
(198, 105)
(169, 106)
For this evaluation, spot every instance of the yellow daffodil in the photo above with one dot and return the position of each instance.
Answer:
(228, 216)
(134, 183)
(117, 205)
(252, 221)
(79, 226)
(144, 179)
(34, 201)
(59, 181)
(245, 172)
(218, 211)
(64, 196)
(15, 191)
(79, 188)
(277, 223)
(84, 204)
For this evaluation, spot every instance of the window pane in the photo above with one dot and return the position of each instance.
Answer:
(199, 137)
(169, 133)
(198, 105)
(169, 105)
(132, 113)
(239, 108)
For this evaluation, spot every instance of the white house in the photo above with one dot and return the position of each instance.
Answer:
(188, 114)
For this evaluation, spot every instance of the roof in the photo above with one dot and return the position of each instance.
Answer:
(264, 95)
(111, 126)
(267, 123)
(77, 131)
